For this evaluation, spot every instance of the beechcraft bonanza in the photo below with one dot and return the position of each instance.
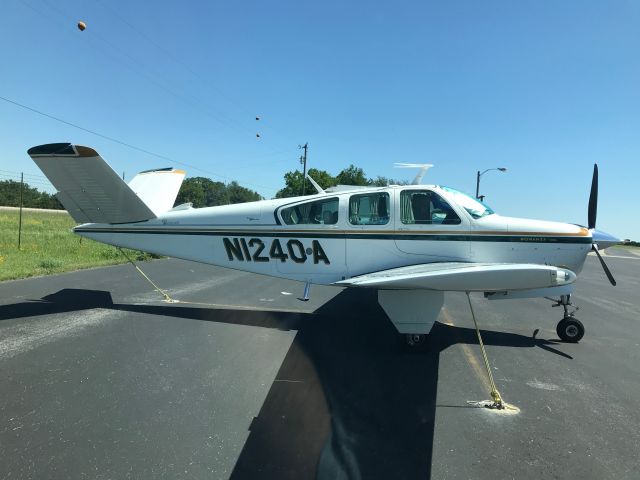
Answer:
(411, 243)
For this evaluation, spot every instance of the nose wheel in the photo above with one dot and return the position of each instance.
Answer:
(569, 329)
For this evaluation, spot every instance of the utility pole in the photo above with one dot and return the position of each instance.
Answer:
(303, 161)
(20, 221)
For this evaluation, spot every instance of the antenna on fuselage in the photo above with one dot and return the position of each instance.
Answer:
(422, 166)
(315, 185)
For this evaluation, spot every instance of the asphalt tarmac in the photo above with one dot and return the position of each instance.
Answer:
(101, 379)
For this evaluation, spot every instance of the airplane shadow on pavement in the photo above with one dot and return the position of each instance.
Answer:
(347, 402)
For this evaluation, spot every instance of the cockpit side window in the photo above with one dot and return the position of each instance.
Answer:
(426, 207)
(369, 209)
(323, 211)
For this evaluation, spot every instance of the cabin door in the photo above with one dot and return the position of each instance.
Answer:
(429, 227)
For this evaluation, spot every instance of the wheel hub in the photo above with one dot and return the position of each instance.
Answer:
(571, 331)
(414, 339)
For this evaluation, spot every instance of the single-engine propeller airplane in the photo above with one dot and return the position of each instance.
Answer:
(411, 243)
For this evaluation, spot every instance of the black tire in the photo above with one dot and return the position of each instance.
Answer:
(570, 330)
(415, 340)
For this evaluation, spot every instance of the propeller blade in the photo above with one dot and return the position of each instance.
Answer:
(604, 265)
(593, 198)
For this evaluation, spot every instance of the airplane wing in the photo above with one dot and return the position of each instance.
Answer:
(465, 277)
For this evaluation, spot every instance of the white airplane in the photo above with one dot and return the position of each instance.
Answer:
(411, 243)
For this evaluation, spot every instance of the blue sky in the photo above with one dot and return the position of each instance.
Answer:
(544, 88)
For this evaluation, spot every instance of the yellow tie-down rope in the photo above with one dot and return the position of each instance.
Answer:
(497, 403)
(495, 394)
(164, 294)
(168, 299)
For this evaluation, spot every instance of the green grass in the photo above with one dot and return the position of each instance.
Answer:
(49, 246)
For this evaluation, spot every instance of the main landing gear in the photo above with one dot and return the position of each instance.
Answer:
(415, 340)
(569, 329)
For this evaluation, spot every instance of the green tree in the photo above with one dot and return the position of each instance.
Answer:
(293, 182)
(384, 181)
(238, 194)
(352, 176)
(349, 176)
(193, 190)
(216, 193)
(31, 197)
(204, 192)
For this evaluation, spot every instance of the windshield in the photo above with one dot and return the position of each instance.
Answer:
(475, 207)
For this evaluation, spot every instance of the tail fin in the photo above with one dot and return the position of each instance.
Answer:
(158, 189)
(87, 186)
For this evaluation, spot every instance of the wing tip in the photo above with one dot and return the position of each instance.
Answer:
(63, 149)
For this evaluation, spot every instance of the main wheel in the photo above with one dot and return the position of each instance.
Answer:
(415, 340)
(570, 330)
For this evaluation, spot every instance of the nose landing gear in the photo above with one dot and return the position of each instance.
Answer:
(569, 329)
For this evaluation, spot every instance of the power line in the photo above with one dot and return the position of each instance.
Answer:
(178, 60)
(140, 68)
(120, 142)
(16, 178)
(26, 174)
(150, 76)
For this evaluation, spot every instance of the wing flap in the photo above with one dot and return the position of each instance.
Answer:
(465, 277)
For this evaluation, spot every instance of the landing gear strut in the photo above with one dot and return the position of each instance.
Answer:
(569, 329)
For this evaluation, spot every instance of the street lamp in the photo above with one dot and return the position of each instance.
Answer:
(478, 196)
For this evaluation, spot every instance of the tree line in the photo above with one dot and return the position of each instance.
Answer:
(351, 175)
(31, 196)
(204, 192)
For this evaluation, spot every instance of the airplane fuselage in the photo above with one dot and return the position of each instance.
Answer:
(333, 236)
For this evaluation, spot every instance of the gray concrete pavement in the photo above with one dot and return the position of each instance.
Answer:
(100, 379)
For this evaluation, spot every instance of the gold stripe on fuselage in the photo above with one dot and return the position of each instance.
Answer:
(242, 228)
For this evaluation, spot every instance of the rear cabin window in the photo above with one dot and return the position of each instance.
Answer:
(369, 209)
(318, 212)
(426, 207)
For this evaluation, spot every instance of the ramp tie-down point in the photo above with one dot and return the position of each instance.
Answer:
(497, 402)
